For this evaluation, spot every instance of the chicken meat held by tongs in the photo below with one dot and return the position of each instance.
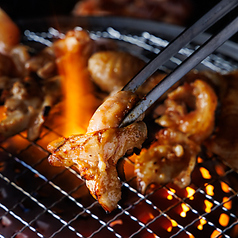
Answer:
(96, 153)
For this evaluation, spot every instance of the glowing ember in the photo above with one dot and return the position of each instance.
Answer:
(208, 205)
(227, 204)
(169, 228)
(224, 219)
(199, 160)
(151, 216)
(116, 222)
(185, 209)
(145, 217)
(202, 223)
(220, 170)
(173, 224)
(215, 234)
(205, 173)
(190, 192)
(209, 190)
(170, 195)
(225, 187)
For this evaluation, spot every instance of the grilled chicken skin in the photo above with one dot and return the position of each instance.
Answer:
(96, 153)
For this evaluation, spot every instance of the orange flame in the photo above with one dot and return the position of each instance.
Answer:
(79, 101)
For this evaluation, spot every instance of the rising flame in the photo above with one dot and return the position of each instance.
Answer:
(79, 101)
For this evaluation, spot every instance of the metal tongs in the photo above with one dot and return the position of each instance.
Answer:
(209, 19)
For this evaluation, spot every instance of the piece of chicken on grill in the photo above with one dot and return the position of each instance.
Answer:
(26, 105)
(96, 153)
(169, 159)
(224, 142)
(188, 120)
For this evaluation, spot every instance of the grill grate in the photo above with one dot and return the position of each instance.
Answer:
(37, 200)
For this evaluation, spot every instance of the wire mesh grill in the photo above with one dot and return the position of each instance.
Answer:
(38, 200)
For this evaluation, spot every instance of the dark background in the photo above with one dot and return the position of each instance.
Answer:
(25, 9)
(35, 8)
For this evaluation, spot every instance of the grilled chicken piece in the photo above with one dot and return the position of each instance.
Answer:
(30, 85)
(111, 70)
(171, 11)
(95, 154)
(191, 109)
(188, 117)
(171, 158)
(25, 97)
(9, 32)
(27, 106)
(112, 111)
(224, 142)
